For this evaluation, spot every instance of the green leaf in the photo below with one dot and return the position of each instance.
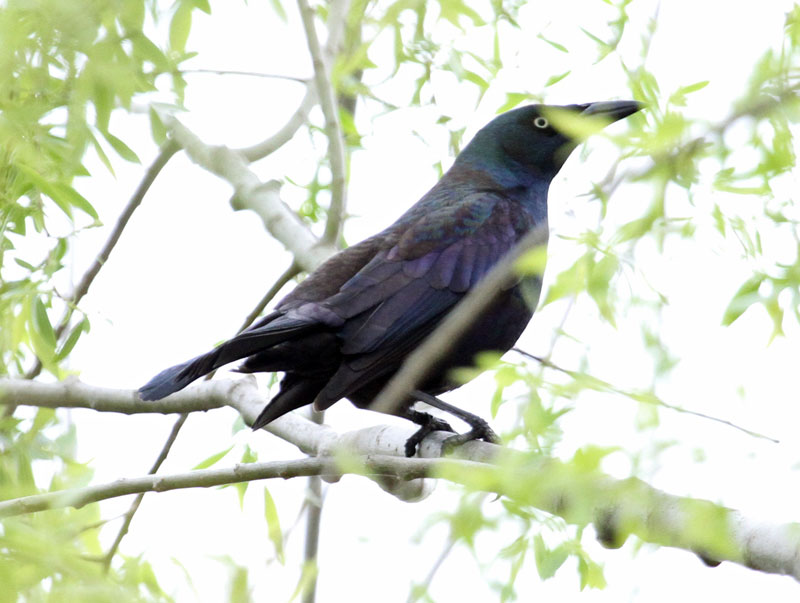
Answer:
(203, 5)
(679, 96)
(179, 27)
(157, 128)
(277, 6)
(744, 297)
(239, 589)
(273, 525)
(555, 45)
(72, 339)
(41, 322)
(591, 574)
(548, 561)
(212, 459)
(77, 200)
(554, 79)
(121, 148)
(306, 581)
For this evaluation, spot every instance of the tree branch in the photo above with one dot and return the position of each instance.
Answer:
(168, 149)
(128, 517)
(616, 508)
(251, 193)
(285, 134)
(333, 129)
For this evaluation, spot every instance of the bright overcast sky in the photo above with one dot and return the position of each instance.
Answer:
(189, 269)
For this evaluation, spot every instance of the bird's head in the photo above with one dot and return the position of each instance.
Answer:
(536, 140)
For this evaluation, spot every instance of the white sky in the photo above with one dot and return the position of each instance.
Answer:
(188, 269)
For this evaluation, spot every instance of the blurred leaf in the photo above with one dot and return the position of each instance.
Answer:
(180, 25)
(121, 148)
(277, 6)
(273, 525)
(552, 43)
(745, 297)
(554, 79)
(679, 96)
(41, 323)
(214, 458)
(548, 561)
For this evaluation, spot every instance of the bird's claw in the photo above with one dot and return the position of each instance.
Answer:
(478, 432)
(432, 424)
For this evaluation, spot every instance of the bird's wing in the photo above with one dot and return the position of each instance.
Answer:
(400, 296)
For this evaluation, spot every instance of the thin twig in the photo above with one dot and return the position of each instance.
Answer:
(314, 498)
(128, 517)
(426, 584)
(648, 399)
(285, 134)
(291, 272)
(276, 76)
(333, 226)
(168, 149)
(619, 506)
(253, 194)
(165, 449)
(333, 129)
(399, 467)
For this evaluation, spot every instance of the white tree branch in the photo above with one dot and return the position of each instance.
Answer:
(617, 508)
(251, 193)
(333, 129)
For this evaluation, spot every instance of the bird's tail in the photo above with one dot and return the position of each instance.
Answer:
(249, 342)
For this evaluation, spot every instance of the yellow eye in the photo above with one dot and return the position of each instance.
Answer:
(541, 122)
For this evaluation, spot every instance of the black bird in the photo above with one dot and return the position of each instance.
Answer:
(346, 329)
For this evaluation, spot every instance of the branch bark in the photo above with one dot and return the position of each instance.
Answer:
(333, 129)
(617, 508)
(251, 193)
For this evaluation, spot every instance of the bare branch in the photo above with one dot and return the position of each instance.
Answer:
(128, 517)
(275, 76)
(313, 504)
(253, 194)
(71, 393)
(291, 272)
(333, 129)
(649, 398)
(446, 335)
(337, 13)
(616, 508)
(168, 149)
(285, 134)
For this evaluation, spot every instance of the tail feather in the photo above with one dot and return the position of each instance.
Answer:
(295, 392)
(249, 342)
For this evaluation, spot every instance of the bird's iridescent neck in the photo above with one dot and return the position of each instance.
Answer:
(515, 182)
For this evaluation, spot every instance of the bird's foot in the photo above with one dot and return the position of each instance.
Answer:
(480, 431)
(428, 426)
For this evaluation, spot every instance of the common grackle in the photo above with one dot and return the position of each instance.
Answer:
(346, 329)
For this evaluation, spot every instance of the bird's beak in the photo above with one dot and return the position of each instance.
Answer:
(612, 110)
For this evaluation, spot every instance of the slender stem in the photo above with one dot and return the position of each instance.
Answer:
(277, 76)
(374, 465)
(314, 500)
(333, 129)
(648, 399)
(292, 271)
(128, 517)
(168, 149)
(273, 291)
(285, 134)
